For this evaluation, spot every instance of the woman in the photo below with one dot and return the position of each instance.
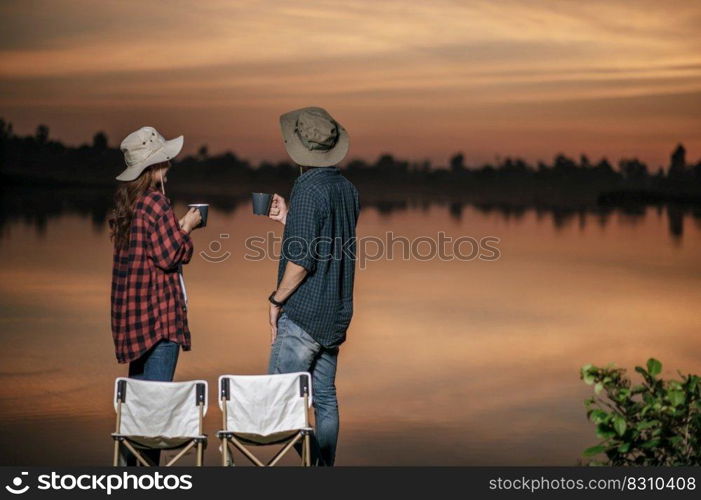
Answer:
(149, 310)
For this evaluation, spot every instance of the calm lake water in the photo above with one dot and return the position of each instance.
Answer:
(447, 361)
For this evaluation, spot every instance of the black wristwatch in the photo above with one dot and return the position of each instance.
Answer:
(273, 301)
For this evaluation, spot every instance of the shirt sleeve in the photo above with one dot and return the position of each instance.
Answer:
(302, 231)
(169, 245)
(357, 204)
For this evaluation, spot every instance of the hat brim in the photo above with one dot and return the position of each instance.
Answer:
(303, 156)
(170, 150)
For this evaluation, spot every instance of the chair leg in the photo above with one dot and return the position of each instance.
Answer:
(307, 450)
(181, 453)
(199, 453)
(138, 455)
(284, 450)
(115, 457)
(230, 450)
(224, 452)
(245, 451)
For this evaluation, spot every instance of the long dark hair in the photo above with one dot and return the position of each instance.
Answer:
(125, 198)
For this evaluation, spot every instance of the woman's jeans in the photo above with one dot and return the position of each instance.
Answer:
(294, 350)
(157, 364)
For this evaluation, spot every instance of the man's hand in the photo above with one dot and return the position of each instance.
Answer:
(278, 209)
(274, 314)
(293, 275)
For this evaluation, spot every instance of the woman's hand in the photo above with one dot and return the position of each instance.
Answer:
(278, 209)
(191, 220)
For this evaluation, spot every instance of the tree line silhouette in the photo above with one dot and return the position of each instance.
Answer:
(41, 178)
(39, 160)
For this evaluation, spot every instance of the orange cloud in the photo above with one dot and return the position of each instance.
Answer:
(420, 80)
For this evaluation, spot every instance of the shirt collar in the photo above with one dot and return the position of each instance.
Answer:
(316, 173)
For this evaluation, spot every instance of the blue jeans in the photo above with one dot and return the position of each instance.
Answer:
(158, 363)
(294, 350)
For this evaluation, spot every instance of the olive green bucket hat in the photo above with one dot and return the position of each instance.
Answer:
(313, 138)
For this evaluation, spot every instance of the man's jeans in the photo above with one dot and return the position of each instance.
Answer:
(294, 350)
(157, 364)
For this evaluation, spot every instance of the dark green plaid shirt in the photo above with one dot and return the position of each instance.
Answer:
(320, 236)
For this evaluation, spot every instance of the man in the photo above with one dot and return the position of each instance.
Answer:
(312, 306)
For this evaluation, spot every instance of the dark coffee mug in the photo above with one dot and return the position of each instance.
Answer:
(203, 208)
(261, 203)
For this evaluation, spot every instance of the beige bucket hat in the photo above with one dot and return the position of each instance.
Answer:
(313, 138)
(144, 148)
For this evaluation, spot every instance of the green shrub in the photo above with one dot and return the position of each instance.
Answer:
(655, 423)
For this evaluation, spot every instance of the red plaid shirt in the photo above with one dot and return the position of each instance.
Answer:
(147, 299)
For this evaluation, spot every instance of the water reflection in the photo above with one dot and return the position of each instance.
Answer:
(36, 206)
(447, 362)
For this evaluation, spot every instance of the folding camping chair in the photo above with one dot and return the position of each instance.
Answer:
(159, 415)
(259, 410)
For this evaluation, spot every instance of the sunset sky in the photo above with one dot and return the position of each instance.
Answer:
(417, 79)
